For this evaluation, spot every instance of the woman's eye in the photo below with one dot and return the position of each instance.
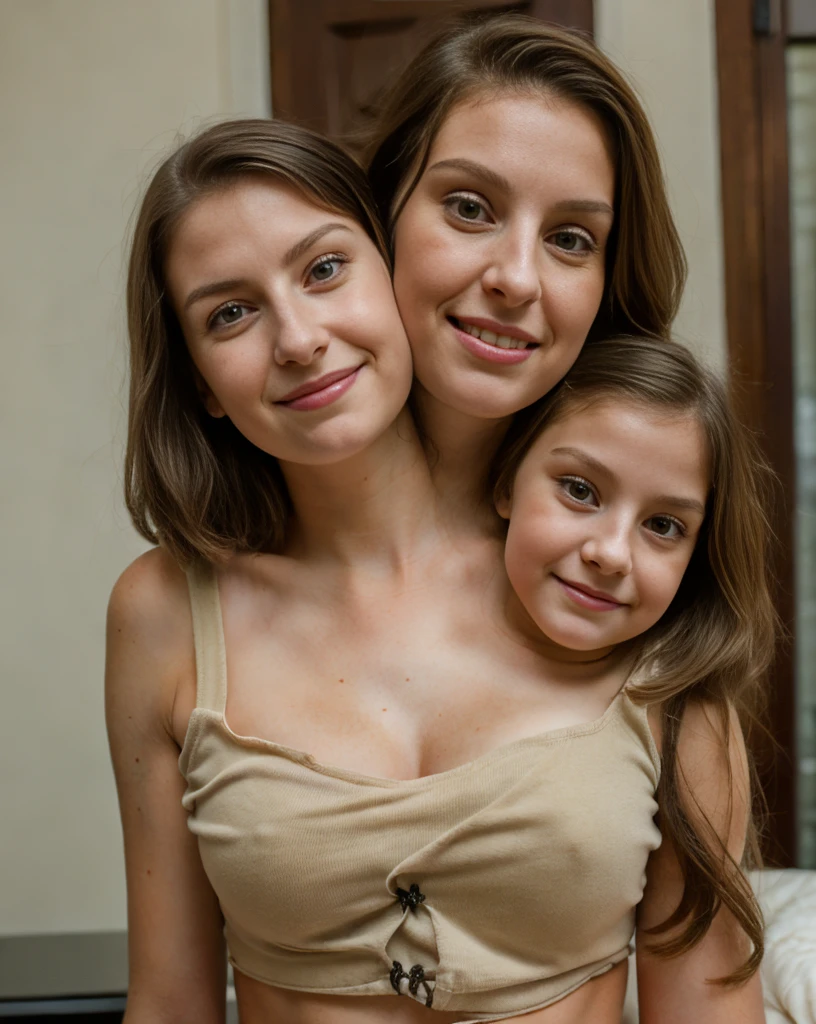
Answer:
(572, 241)
(326, 269)
(665, 526)
(467, 208)
(228, 314)
(578, 490)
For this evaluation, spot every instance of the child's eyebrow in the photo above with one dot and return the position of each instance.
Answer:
(576, 453)
(661, 499)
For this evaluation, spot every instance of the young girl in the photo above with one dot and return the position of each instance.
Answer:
(636, 546)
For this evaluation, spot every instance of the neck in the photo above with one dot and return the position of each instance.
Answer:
(460, 450)
(374, 507)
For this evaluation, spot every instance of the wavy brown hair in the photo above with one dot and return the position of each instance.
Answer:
(195, 484)
(715, 642)
(646, 267)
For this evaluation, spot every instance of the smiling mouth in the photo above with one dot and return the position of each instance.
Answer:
(587, 597)
(491, 337)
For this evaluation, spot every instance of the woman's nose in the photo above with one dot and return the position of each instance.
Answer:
(513, 270)
(299, 338)
(609, 551)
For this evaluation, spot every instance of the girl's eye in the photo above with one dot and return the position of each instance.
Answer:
(326, 268)
(665, 526)
(230, 313)
(467, 208)
(573, 242)
(578, 489)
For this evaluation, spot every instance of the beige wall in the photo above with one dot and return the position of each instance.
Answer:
(93, 91)
(667, 47)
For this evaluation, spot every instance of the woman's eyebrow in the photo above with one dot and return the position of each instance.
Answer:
(289, 257)
(299, 248)
(478, 170)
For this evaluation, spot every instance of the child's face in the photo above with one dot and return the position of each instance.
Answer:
(605, 512)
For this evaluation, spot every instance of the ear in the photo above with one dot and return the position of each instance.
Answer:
(208, 399)
(504, 505)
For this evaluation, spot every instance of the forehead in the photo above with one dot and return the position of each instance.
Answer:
(662, 449)
(258, 210)
(530, 134)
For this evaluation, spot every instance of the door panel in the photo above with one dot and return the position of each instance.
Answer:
(331, 58)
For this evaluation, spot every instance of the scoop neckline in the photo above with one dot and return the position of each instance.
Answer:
(361, 778)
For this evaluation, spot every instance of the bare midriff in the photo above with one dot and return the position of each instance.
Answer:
(599, 1001)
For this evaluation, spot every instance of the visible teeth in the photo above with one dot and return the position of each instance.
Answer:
(489, 338)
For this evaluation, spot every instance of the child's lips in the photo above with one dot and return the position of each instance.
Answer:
(588, 597)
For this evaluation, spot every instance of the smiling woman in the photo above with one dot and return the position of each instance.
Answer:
(520, 178)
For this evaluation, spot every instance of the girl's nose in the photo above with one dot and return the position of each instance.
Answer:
(513, 271)
(609, 552)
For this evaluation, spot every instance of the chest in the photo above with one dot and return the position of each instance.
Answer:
(399, 684)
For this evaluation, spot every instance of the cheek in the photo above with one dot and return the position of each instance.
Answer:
(660, 583)
(574, 299)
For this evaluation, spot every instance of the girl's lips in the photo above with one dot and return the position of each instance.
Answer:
(490, 353)
(588, 599)
(325, 391)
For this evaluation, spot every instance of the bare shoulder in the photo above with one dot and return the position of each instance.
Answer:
(149, 636)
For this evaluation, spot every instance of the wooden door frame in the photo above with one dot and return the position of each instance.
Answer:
(751, 39)
(288, 23)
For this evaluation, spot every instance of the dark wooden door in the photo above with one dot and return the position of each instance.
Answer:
(331, 58)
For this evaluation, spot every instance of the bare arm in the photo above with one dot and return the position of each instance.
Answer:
(677, 990)
(176, 953)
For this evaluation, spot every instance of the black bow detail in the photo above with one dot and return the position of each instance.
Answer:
(416, 977)
(412, 898)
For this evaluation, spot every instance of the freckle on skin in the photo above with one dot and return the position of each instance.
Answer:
(341, 680)
(148, 870)
(385, 709)
(136, 759)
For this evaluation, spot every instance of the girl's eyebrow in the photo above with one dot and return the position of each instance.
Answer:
(691, 504)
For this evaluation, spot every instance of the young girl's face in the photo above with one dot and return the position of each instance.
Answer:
(500, 250)
(289, 316)
(603, 519)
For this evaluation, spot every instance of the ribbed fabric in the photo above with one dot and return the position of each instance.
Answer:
(531, 859)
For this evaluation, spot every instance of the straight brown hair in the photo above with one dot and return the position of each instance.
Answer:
(195, 484)
(646, 267)
(715, 642)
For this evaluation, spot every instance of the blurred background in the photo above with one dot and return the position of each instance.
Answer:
(93, 94)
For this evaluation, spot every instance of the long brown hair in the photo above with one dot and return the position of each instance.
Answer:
(646, 267)
(193, 483)
(715, 642)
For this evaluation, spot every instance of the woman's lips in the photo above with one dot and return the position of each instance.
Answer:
(484, 350)
(321, 392)
(588, 598)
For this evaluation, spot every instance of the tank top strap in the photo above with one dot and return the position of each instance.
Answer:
(208, 633)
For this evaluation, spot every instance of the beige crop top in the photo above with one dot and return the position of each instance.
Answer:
(490, 889)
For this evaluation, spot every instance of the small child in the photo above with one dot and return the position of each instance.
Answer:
(637, 540)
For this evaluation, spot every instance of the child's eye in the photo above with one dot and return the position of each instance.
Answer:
(467, 207)
(577, 489)
(228, 314)
(666, 526)
(326, 268)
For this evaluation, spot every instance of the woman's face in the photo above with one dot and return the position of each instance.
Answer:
(500, 250)
(289, 316)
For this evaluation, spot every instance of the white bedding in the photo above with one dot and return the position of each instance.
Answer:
(788, 900)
